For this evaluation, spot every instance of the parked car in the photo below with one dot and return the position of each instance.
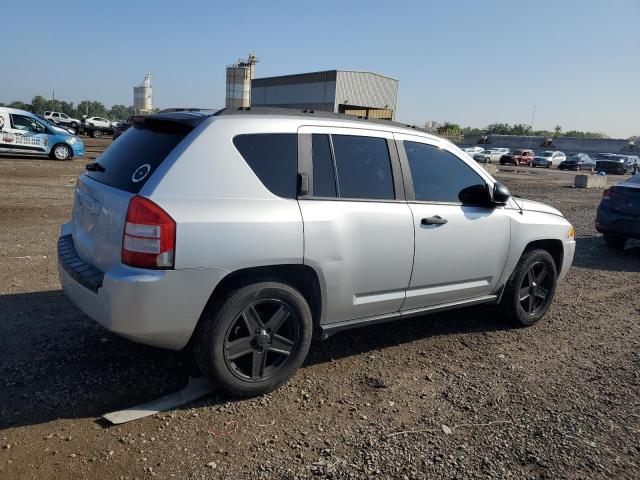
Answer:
(97, 126)
(63, 119)
(517, 157)
(245, 233)
(618, 164)
(618, 217)
(548, 158)
(23, 132)
(488, 156)
(55, 126)
(471, 151)
(578, 161)
(122, 127)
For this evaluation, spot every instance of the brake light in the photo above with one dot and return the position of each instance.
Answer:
(149, 235)
(606, 195)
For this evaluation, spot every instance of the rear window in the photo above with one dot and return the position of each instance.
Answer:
(131, 160)
(273, 157)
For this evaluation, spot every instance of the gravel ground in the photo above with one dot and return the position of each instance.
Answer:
(452, 395)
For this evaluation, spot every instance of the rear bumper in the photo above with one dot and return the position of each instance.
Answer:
(154, 307)
(624, 225)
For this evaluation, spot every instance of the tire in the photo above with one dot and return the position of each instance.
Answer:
(614, 242)
(96, 133)
(244, 318)
(519, 290)
(60, 152)
(548, 165)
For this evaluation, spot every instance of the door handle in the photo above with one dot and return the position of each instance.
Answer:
(435, 220)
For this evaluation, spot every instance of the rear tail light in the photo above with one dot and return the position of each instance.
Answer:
(606, 195)
(149, 235)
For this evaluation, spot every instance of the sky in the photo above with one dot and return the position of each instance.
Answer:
(468, 62)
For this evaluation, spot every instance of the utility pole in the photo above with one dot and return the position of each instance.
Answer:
(53, 99)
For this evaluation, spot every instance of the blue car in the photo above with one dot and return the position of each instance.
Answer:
(24, 132)
(618, 217)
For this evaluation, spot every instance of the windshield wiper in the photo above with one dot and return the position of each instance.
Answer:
(94, 167)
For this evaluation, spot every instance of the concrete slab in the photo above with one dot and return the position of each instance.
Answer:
(590, 181)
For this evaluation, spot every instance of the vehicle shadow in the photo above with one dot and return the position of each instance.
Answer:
(593, 253)
(56, 363)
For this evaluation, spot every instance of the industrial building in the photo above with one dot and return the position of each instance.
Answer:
(339, 91)
(239, 77)
(143, 96)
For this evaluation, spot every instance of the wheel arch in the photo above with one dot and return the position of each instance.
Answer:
(302, 277)
(553, 246)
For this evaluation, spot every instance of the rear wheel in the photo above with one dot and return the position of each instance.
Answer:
(615, 241)
(256, 340)
(530, 289)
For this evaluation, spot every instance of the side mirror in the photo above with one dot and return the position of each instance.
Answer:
(501, 194)
(477, 195)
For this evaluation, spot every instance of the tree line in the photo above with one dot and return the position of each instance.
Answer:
(450, 129)
(90, 108)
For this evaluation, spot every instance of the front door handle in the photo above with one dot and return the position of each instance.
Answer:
(435, 220)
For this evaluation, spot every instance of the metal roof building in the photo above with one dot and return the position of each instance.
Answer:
(355, 93)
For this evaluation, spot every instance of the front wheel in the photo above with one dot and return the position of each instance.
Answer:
(60, 152)
(530, 289)
(256, 340)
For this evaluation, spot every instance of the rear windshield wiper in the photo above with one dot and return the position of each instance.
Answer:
(94, 167)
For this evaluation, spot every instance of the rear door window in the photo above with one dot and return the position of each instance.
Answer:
(273, 157)
(130, 161)
(363, 166)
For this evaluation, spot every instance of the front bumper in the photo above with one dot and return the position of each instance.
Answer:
(567, 259)
(154, 307)
(78, 149)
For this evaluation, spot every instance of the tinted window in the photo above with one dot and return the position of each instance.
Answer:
(131, 160)
(324, 180)
(273, 157)
(364, 167)
(438, 176)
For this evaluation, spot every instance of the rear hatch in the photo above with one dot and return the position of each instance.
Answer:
(625, 197)
(103, 192)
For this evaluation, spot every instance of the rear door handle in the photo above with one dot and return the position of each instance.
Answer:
(435, 220)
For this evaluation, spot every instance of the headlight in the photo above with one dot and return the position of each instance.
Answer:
(572, 233)
(72, 140)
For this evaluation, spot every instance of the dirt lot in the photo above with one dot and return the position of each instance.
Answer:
(475, 398)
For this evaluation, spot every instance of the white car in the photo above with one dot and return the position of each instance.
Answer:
(63, 119)
(548, 158)
(491, 155)
(99, 122)
(471, 151)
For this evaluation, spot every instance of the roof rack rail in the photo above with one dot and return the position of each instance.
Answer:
(294, 112)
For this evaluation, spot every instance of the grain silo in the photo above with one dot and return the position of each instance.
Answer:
(143, 96)
(239, 77)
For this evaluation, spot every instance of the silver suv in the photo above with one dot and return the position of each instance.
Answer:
(246, 233)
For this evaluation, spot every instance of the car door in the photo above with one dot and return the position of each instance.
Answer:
(461, 246)
(358, 229)
(28, 135)
(4, 131)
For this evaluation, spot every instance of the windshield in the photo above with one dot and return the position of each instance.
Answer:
(546, 154)
(518, 152)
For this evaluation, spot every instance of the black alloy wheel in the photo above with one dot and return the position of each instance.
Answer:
(260, 340)
(530, 289)
(253, 339)
(534, 288)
